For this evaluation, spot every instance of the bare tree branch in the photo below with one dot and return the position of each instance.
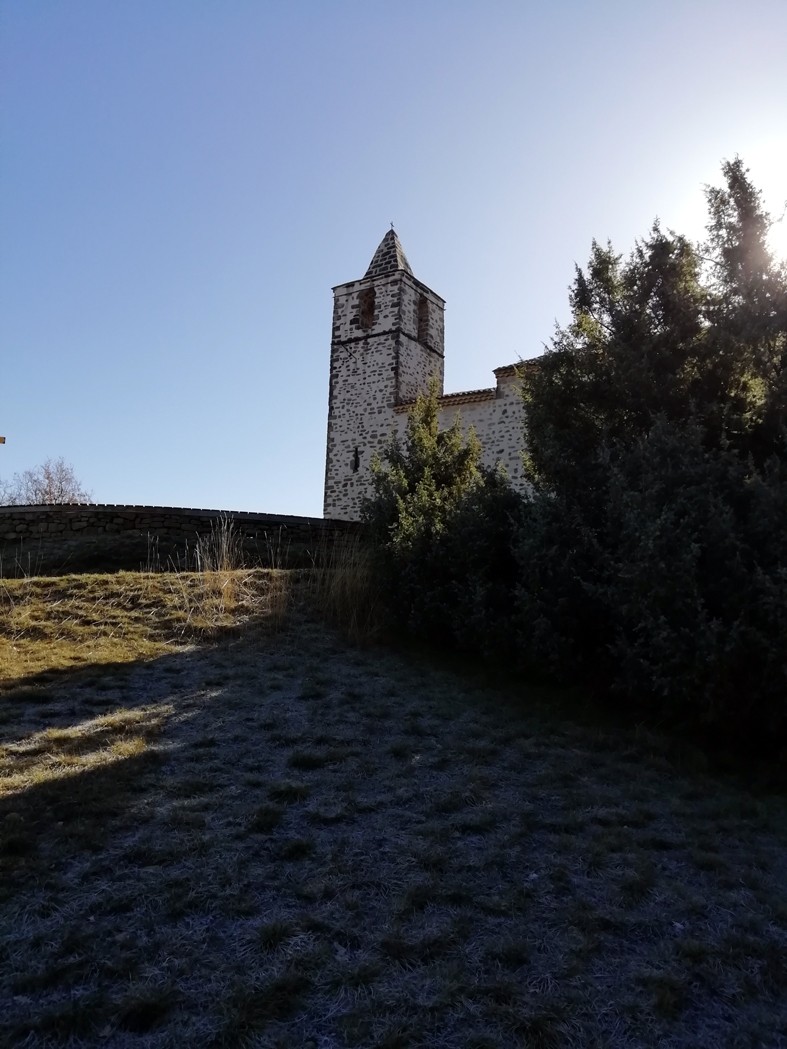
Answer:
(54, 481)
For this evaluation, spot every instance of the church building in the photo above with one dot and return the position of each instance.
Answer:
(386, 345)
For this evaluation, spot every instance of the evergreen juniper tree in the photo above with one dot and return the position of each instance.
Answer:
(657, 453)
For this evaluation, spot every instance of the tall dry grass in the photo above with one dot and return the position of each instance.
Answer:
(211, 588)
(340, 586)
(221, 590)
(343, 588)
(220, 566)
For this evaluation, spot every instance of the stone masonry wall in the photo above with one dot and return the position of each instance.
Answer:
(499, 425)
(45, 540)
(371, 367)
(362, 377)
(498, 417)
(496, 414)
(419, 361)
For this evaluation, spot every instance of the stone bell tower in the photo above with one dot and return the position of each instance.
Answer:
(387, 343)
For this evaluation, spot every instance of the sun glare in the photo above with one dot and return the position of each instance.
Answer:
(777, 237)
(767, 161)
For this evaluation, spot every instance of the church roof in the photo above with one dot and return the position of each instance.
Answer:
(450, 400)
(389, 257)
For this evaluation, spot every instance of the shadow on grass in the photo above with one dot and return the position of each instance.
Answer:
(47, 824)
(77, 747)
(744, 762)
(103, 847)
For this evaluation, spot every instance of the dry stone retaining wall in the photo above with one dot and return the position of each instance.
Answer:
(45, 540)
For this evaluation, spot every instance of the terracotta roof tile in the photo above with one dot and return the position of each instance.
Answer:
(516, 369)
(448, 400)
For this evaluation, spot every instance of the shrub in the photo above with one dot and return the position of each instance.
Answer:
(695, 581)
(654, 555)
(442, 527)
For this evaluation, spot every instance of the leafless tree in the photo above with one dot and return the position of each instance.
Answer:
(52, 482)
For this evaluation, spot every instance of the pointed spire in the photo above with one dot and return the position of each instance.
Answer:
(389, 257)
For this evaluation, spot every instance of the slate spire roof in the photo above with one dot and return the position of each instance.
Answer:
(389, 257)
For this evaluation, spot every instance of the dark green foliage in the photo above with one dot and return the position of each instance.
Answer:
(695, 578)
(443, 526)
(683, 333)
(480, 548)
(650, 556)
(421, 481)
(655, 553)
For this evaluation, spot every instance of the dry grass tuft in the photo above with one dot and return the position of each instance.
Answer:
(344, 590)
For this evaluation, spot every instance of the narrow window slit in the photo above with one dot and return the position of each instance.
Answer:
(423, 320)
(366, 304)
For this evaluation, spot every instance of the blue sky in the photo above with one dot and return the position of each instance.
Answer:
(184, 181)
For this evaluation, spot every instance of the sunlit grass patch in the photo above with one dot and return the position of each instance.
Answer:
(57, 624)
(59, 752)
(76, 621)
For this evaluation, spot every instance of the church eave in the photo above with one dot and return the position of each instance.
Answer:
(366, 281)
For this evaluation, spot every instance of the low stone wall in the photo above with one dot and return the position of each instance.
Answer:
(97, 537)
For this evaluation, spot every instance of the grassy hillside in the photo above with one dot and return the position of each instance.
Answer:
(222, 825)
